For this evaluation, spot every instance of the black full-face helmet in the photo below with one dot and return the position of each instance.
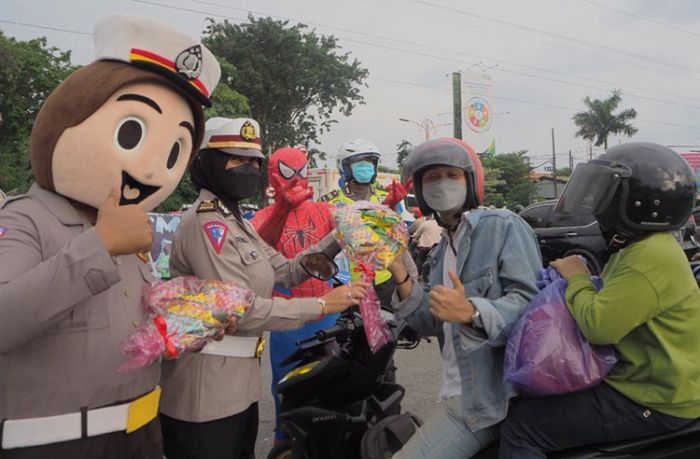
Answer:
(632, 189)
(445, 152)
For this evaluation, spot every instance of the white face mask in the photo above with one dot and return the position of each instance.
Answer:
(445, 195)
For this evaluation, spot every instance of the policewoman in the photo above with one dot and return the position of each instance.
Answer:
(109, 144)
(209, 407)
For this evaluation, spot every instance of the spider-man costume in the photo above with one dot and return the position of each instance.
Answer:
(291, 225)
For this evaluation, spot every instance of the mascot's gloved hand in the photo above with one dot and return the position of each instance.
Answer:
(397, 192)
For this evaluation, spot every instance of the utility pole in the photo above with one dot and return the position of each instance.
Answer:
(457, 104)
(554, 167)
(571, 162)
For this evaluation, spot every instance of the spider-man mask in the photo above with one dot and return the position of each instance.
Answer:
(288, 172)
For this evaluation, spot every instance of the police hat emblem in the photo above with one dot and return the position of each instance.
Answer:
(248, 131)
(189, 62)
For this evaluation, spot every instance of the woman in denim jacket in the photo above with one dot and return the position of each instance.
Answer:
(482, 274)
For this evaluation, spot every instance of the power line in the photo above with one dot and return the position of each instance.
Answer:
(552, 34)
(429, 55)
(643, 18)
(417, 53)
(36, 26)
(370, 44)
(527, 102)
(596, 56)
(414, 44)
(538, 77)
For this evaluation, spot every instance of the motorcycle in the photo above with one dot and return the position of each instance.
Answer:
(338, 390)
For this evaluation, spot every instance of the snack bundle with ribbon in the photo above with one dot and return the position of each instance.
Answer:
(183, 314)
(371, 235)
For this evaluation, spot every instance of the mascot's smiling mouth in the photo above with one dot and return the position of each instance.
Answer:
(133, 191)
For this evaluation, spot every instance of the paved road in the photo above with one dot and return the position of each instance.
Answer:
(419, 371)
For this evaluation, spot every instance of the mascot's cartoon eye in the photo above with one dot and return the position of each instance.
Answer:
(286, 171)
(174, 154)
(304, 171)
(129, 133)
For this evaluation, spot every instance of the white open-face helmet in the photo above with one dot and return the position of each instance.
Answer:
(353, 150)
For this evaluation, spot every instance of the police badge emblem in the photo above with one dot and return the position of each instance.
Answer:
(189, 62)
(248, 131)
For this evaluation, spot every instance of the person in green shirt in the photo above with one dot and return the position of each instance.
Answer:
(648, 309)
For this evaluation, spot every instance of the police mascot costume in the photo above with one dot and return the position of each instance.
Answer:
(108, 145)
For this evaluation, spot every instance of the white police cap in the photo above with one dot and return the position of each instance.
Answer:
(157, 46)
(237, 136)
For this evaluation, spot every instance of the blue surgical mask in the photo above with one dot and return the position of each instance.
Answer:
(362, 171)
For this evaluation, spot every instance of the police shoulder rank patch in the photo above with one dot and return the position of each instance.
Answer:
(206, 206)
(3, 230)
(328, 196)
(216, 232)
(222, 209)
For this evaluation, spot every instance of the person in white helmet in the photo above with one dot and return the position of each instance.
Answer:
(357, 162)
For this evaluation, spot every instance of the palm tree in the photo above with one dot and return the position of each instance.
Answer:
(596, 124)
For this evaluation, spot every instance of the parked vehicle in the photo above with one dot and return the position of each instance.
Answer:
(560, 235)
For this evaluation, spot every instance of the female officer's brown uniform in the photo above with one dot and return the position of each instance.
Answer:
(210, 399)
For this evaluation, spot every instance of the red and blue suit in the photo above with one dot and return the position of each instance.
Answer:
(292, 224)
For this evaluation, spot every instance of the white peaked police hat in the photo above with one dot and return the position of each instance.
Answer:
(157, 46)
(237, 136)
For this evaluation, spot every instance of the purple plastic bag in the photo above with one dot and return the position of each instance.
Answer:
(546, 353)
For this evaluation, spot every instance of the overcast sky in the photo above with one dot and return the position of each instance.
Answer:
(544, 57)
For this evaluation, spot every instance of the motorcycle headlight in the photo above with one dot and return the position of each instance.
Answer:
(298, 371)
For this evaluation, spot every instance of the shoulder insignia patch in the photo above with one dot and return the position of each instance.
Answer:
(328, 196)
(216, 232)
(222, 209)
(3, 230)
(206, 206)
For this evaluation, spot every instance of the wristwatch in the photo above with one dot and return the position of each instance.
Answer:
(476, 316)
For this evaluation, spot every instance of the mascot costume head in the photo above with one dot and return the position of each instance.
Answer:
(131, 120)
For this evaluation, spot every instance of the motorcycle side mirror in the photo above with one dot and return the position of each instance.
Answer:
(319, 265)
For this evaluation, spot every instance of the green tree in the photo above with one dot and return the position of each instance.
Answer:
(30, 70)
(403, 149)
(226, 101)
(564, 172)
(294, 79)
(507, 178)
(599, 121)
(315, 157)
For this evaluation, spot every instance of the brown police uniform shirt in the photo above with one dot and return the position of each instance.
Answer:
(200, 387)
(65, 306)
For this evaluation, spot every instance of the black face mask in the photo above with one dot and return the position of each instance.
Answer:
(240, 182)
(209, 171)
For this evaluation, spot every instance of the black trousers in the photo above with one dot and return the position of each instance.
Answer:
(228, 438)
(535, 426)
(145, 443)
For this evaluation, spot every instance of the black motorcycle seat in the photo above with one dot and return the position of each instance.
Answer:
(630, 446)
(616, 449)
